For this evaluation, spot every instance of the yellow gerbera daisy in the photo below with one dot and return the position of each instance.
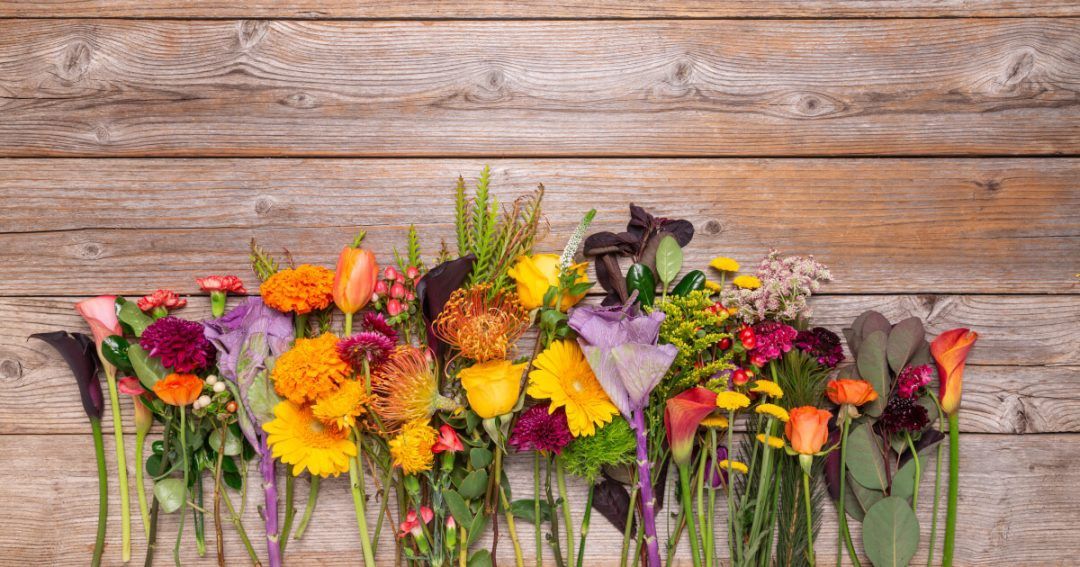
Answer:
(731, 400)
(297, 438)
(774, 442)
(561, 374)
(411, 448)
(746, 282)
(715, 420)
(733, 466)
(713, 286)
(773, 410)
(724, 264)
(343, 406)
(769, 388)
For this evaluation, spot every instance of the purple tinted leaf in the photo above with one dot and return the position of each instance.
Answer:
(80, 354)
(612, 500)
(434, 290)
(832, 466)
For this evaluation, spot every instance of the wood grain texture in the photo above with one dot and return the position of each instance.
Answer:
(51, 482)
(883, 226)
(439, 9)
(1024, 377)
(536, 88)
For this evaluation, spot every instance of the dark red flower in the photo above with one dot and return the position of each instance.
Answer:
(902, 414)
(538, 430)
(179, 344)
(822, 344)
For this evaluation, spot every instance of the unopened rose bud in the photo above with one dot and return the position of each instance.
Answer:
(219, 387)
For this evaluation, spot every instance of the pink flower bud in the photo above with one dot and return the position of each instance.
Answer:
(394, 307)
(390, 273)
(412, 272)
(409, 296)
(397, 291)
(380, 287)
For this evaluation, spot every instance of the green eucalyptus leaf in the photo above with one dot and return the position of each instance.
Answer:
(864, 458)
(852, 505)
(874, 368)
(153, 465)
(922, 355)
(480, 558)
(905, 338)
(474, 484)
(148, 368)
(232, 442)
(458, 508)
(669, 259)
(526, 510)
(890, 533)
(170, 493)
(873, 321)
(864, 497)
(480, 457)
(131, 315)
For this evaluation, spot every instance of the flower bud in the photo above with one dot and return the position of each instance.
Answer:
(397, 291)
(219, 387)
(394, 307)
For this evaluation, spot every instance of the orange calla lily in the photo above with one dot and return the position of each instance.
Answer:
(807, 429)
(950, 350)
(682, 416)
(354, 279)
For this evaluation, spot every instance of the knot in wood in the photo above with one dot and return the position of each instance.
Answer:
(10, 369)
(74, 61)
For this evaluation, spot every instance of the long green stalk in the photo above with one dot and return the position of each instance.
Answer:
(121, 465)
(140, 487)
(706, 552)
(290, 509)
(918, 472)
(313, 497)
(103, 491)
(688, 512)
(937, 483)
(625, 552)
(239, 525)
(845, 531)
(183, 505)
(711, 529)
(568, 520)
(732, 540)
(537, 524)
(954, 490)
(809, 521)
(584, 525)
(356, 480)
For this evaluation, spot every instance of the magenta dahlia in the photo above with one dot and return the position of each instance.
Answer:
(538, 430)
(179, 344)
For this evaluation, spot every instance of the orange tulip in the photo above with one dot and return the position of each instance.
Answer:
(354, 280)
(807, 429)
(851, 392)
(179, 389)
(950, 350)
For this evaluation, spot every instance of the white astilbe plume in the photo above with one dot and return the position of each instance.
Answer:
(786, 285)
(572, 245)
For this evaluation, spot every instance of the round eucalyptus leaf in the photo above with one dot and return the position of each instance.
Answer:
(170, 494)
(890, 533)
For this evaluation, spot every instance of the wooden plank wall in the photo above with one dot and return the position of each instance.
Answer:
(927, 150)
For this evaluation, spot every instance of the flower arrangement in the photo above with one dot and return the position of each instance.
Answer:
(423, 382)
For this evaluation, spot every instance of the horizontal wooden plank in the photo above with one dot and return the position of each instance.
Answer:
(602, 88)
(435, 9)
(79, 226)
(1017, 507)
(1024, 377)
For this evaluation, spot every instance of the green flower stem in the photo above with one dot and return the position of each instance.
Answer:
(239, 525)
(140, 487)
(121, 464)
(706, 551)
(184, 503)
(198, 518)
(568, 520)
(537, 524)
(918, 472)
(300, 325)
(937, 482)
(103, 491)
(629, 525)
(519, 557)
(763, 487)
(290, 509)
(584, 525)
(809, 520)
(732, 540)
(348, 324)
(356, 480)
(845, 531)
(313, 497)
(151, 540)
(954, 490)
(711, 518)
(688, 512)
(219, 541)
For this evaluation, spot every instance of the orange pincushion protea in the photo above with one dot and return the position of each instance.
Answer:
(480, 324)
(310, 370)
(299, 290)
(406, 388)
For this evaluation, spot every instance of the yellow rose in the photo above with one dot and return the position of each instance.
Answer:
(492, 387)
(535, 274)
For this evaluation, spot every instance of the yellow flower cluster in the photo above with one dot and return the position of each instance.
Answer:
(774, 442)
(746, 282)
(733, 466)
(731, 400)
(410, 449)
(773, 410)
(769, 388)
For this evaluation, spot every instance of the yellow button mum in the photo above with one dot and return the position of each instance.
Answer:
(713, 286)
(733, 466)
(774, 411)
(774, 442)
(410, 449)
(299, 439)
(769, 388)
(724, 264)
(746, 282)
(561, 374)
(715, 420)
(731, 400)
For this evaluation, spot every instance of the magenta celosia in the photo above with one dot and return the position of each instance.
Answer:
(538, 430)
(822, 344)
(376, 322)
(366, 346)
(912, 378)
(179, 344)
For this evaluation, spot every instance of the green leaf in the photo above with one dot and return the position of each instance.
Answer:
(481, 558)
(232, 442)
(474, 484)
(874, 368)
(153, 465)
(890, 533)
(148, 368)
(130, 314)
(480, 457)
(476, 528)
(115, 350)
(640, 278)
(233, 480)
(458, 508)
(669, 259)
(864, 458)
(526, 510)
(262, 398)
(170, 493)
(905, 338)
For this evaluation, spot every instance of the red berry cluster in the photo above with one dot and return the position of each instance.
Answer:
(396, 291)
(747, 341)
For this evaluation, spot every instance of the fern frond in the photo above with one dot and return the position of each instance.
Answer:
(414, 248)
(262, 263)
(461, 217)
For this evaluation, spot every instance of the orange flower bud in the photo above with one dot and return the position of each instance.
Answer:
(354, 280)
(179, 389)
(851, 392)
(807, 429)
(950, 350)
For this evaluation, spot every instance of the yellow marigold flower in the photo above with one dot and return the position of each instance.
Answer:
(733, 466)
(731, 400)
(723, 264)
(769, 388)
(406, 388)
(561, 374)
(713, 286)
(410, 449)
(715, 420)
(746, 282)
(341, 407)
(482, 326)
(774, 442)
(773, 410)
(297, 438)
(299, 290)
(311, 369)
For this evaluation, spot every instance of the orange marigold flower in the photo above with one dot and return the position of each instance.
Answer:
(299, 290)
(406, 388)
(310, 370)
(179, 389)
(481, 324)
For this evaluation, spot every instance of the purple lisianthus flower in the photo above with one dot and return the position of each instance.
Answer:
(822, 344)
(912, 378)
(178, 343)
(539, 429)
(773, 339)
(716, 477)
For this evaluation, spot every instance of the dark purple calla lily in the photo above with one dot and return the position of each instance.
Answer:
(80, 354)
(434, 289)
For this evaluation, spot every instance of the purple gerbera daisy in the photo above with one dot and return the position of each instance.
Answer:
(538, 430)
(822, 344)
(178, 343)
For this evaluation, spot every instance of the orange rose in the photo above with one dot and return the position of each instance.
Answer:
(807, 429)
(179, 389)
(950, 350)
(851, 392)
